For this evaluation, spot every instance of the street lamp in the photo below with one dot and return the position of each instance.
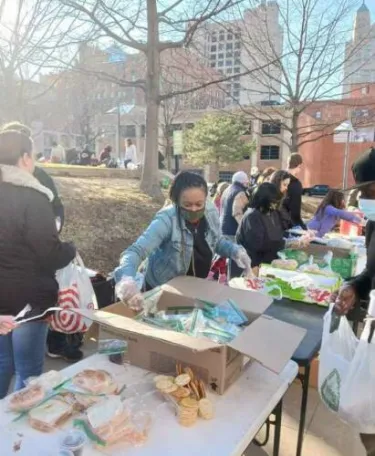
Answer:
(345, 127)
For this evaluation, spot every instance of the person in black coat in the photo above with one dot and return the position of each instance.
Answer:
(30, 254)
(293, 201)
(261, 231)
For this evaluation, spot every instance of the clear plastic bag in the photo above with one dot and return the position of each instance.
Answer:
(27, 398)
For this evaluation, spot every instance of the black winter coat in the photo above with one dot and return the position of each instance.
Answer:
(261, 235)
(292, 203)
(365, 282)
(30, 249)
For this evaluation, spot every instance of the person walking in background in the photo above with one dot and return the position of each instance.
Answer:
(329, 212)
(57, 153)
(219, 193)
(181, 240)
(293, 201)
(234, 202)
(30, 254)
(130, 153)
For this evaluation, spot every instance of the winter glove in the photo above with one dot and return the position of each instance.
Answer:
(128, 291)
(243, 261)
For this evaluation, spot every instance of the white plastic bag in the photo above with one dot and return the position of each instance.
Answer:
(75, 291)
(347, 373)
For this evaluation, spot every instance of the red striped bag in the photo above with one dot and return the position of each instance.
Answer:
(75, 292)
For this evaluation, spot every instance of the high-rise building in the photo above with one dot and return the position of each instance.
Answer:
(359, 66)
(238, 47)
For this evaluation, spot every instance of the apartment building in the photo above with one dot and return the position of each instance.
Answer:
(238, 46)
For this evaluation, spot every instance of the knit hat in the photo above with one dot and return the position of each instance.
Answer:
(364, 169)
(240, 178)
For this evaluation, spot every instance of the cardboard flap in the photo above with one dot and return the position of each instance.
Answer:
(126, 325)
(271, 342)
(248, 300)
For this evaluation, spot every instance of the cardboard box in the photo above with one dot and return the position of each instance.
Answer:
(318, 292)
(269, 341)
(344, 261)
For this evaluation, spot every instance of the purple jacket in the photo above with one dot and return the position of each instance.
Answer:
(324, 222)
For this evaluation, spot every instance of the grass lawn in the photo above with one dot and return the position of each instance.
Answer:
(105, 215)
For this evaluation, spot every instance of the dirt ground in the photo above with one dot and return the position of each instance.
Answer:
(105, 215)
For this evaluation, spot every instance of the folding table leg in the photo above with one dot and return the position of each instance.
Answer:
(278, 415)
(305, 379)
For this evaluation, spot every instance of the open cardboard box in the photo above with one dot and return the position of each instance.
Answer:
(269, 341)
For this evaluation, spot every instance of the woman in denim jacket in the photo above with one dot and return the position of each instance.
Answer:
(181, 240)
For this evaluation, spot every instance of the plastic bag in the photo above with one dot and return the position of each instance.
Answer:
(347, 373)
(75, 292)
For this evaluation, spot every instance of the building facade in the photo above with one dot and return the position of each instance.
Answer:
(238, 46)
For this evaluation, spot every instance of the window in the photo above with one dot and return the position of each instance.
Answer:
(220, 63)
(269, 152)
(221, 46)
(229, 36)
(236, 78)
(213, 57)
(238, 45)
(229, 55)
(221, 56)
(143, 131)
(222, 36)
(229, 63)
(237, 62)
(213, 48)
(236, 94)
(271, 128)
(229, 46)
(365, 90)
(237, 36)
(318, 115)
(226, 176)
(237, 70)
(214, 39)
(229, 70)
(213, 64)
(129, 131)
(237, 85)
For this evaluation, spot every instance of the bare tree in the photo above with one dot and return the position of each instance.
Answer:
(310, 67)
(30, 34)
(151, 28)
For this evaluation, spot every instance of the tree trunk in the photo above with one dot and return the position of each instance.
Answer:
(149, 179)
(294, 133)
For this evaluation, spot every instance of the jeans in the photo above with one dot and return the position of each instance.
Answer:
(126, 162)
(368, 441)
(22, 353)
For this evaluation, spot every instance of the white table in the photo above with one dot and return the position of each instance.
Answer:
(240, 413)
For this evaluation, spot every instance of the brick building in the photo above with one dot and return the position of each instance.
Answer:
(323, 156)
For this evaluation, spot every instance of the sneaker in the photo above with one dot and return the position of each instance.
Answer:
(69, 354)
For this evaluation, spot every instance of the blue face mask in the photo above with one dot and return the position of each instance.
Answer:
(367, 206)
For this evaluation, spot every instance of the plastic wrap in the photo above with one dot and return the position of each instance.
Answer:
(49, 415)
(27, 398)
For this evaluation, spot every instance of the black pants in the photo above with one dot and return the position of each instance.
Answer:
(126, 162)
(234, 270)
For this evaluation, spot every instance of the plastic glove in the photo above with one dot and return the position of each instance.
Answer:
(243, 261)
(7, 324)
(129, 293)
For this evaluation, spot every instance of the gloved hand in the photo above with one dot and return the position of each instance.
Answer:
(129, 293)
(243, 261)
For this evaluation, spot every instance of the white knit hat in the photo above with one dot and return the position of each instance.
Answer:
(240, 177)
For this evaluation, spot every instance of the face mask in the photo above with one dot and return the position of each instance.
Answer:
(368, 208)
(192, 216)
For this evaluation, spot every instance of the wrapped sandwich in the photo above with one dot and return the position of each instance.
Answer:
(95, 382)
(48, 416)
(111, 422)
(290, 265)
(27, 398)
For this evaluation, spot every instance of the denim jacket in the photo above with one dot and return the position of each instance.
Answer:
(168, 246)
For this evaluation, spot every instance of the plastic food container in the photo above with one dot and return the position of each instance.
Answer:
(74, 441)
